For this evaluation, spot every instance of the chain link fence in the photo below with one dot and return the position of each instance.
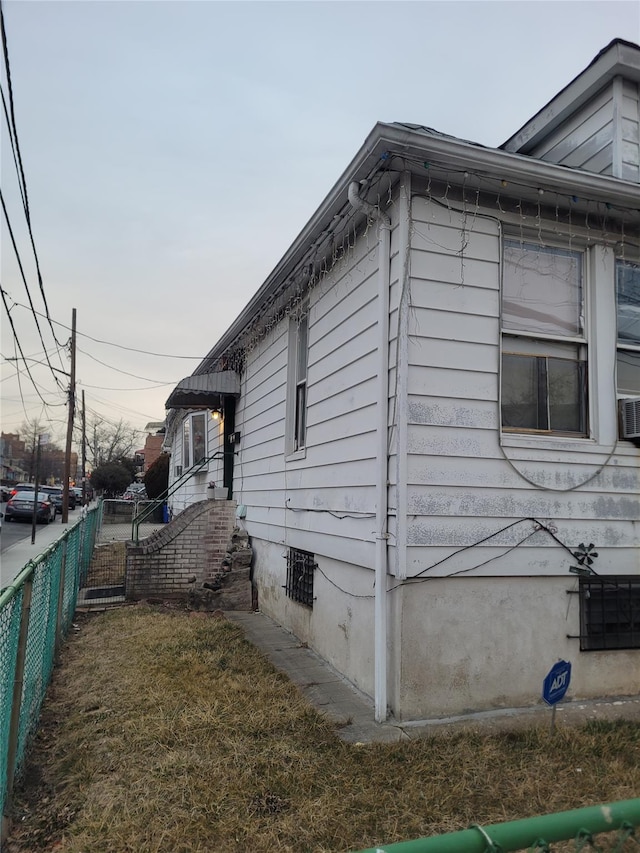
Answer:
(116, 519)
(35, 614)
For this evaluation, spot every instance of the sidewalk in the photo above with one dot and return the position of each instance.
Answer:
(16, 557)
(353, 712)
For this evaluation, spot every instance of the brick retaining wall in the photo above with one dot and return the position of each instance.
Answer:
(187, 551)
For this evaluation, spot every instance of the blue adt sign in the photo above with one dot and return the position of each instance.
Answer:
(556, 682)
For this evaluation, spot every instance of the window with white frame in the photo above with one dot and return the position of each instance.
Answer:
(297, 384)
(194, 439)
(628, 315)
(544, 345)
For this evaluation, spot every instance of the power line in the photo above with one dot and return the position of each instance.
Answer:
(117, 346)
(26, 286)
(117, 370)
(17, 342)
(13, 133)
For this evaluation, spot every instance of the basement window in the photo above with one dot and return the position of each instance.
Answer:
(300, 566)
(610, 613)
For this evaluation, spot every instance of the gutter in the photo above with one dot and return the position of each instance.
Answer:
(450, 153)
(382, 454)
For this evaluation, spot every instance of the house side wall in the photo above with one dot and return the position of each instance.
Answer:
(586, 139)
(322, 500)
(493, 600)
(464, 484)
(486, 643)
(630, 131)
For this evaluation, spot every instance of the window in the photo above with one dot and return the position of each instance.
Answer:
(194, 439)
(610, 613)
(544, 349)
(297, 406)
(628, 305)
(300, 566)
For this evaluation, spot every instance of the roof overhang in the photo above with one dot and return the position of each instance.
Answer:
(204, 391)
(490, 166)
(619, 59)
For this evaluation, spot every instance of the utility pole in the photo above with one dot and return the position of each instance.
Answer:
(72, 406)
(84, 452)
(34, 519)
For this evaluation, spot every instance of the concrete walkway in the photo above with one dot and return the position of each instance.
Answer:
(15, 557)
(353, 712)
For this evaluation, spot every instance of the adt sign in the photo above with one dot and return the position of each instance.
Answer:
(556, 682)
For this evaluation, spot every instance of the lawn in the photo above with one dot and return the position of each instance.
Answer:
(164, 732)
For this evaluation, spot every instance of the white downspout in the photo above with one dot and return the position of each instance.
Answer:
(380, 601)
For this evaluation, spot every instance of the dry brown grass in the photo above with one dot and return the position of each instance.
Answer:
(168, 733)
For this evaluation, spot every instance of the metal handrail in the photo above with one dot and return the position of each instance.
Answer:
(185, 477)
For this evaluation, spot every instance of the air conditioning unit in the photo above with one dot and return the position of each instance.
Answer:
(630, 417)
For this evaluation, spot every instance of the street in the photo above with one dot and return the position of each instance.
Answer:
(16, 547)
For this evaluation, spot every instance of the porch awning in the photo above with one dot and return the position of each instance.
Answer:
(204, 390)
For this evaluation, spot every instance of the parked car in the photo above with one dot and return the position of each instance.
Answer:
(56, 496)
(21, 487)
(21, 506)
(88, 494)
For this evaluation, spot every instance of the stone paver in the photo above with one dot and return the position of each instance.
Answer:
(353, 711)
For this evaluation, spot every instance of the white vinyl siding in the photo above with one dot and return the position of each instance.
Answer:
(585, 139)
(602, 136)
(630, 132)
(461, 488)
(299, 500)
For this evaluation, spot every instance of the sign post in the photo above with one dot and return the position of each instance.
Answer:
(555, 685)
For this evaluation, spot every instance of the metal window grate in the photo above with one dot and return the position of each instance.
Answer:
(610, 613)
(300, 566)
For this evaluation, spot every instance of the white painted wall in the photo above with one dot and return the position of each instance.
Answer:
(480, 643)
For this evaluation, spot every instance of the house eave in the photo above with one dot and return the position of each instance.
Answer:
(620, 58)
(448, 153)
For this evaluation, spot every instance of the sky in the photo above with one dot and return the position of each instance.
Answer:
(174, 150)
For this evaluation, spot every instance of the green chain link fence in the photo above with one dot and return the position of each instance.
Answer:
(35, 614)
(615, 823)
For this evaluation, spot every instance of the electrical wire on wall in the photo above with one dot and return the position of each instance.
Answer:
(446, 203)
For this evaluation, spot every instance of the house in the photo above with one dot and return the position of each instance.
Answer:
(152, 444)
(429, 413)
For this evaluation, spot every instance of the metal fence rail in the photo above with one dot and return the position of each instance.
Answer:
(35, 614)
(117, 516)
(534, 833)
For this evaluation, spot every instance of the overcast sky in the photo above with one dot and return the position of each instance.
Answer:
(174, 150)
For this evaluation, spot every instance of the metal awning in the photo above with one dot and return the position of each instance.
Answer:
(204, 390)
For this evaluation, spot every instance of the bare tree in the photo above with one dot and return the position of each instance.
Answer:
(109, 442)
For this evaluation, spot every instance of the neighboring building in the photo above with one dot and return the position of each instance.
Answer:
(430, 411)
(153, 443)
(15, 460)
(18, 461)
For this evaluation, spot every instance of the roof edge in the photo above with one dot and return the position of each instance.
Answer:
(457, 155)
(618, 58)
